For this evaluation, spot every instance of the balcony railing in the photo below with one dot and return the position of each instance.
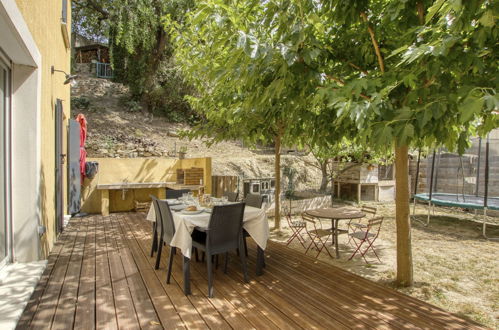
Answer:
(104, 70)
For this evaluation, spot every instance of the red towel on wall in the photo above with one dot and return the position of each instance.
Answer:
(83, 136)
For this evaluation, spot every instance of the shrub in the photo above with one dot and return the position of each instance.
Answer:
(80, 102)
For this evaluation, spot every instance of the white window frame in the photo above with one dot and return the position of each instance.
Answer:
(5, 63)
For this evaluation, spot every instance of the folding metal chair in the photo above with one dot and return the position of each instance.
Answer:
(319, 235)
(231, 196)
(296, 226)
(357, 225)
(366, 235)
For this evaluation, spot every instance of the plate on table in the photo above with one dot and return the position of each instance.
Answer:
(173, 202)
(178, 207)
(191, 212)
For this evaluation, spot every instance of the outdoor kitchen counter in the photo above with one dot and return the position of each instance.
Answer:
(160, 186)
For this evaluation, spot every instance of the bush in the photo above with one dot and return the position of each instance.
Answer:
(130, 105)
(81, 102)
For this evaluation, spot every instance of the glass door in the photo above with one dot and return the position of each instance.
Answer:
(4, 104)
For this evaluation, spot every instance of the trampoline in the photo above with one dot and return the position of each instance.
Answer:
(462, 181)
(461, 201)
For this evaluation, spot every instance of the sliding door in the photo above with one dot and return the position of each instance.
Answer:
(4, 110)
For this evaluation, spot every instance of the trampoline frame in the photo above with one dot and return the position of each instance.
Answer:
(446, 203)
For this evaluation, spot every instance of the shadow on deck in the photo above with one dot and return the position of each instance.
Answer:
(100, 275)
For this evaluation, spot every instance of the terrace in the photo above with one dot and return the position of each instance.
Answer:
(100, 275)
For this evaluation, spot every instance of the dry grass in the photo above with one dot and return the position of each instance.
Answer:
(455, 268)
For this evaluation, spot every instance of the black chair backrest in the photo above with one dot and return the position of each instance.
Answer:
(254, 200)
(231, 196)
(167, 224)
(157, 211)
(172, 193)
(225, 227)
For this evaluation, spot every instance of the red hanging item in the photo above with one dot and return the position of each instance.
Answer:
(83, 137)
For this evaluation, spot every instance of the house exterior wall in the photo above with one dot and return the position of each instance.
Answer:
(35, 90)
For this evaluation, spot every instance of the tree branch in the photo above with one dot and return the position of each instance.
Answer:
(104, 13)
(420, 7)
(339, 81)
(374, 42)
(358, 68)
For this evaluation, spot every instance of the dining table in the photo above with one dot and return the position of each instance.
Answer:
(336, 214)
(254, 222)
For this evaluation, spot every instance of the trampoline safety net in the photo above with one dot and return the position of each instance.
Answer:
(468, 181)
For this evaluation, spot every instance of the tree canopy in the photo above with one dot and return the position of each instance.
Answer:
(381, 73)
(140, 48)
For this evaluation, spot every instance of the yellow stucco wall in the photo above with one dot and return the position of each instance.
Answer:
(43, 18)
(135, 170)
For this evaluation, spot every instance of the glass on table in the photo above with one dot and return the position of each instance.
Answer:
(225, 200)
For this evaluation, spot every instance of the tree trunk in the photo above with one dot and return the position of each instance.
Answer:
(153, 63)
(277, 197)
(404, 249)
(324, 180)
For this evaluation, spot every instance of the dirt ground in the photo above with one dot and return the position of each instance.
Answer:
(455, 268)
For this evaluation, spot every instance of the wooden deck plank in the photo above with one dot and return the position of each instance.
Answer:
(198, 268)
(165, 308)
(405, 308)
(208, 307)
(323, 290)
(144, 308)
(85, 309)
(118, 287)
(199, 279)
(48, 302)
(65, 311)
(105, 316)
(125, 311)
(199, 312)
(32, 305)
(348, 297)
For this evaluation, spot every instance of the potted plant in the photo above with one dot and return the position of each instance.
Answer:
(182, 152)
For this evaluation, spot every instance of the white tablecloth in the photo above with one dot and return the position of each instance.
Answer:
(255, 222)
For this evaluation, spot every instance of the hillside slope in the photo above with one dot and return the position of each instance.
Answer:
(117, 129)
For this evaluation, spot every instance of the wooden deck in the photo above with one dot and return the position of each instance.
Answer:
(100, 275)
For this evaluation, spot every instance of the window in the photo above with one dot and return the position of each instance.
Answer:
(64, 23)
(64, 14)
(385, 172)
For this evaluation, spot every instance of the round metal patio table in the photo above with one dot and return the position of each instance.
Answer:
(336, 214)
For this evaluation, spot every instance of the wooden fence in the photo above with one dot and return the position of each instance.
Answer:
(219, 184)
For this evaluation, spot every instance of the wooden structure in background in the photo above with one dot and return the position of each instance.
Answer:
(190, 176)
(193, 176)
(220, 184)
(365, 182)
(92, 51)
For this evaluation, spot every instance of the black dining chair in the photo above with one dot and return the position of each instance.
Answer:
(154, 246)
(254, 200)
(224, 233)
(166, 229)
(231, 196)
(176, 193)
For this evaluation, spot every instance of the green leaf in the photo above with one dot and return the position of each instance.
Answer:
(241, 41)
(470, 107)
(434, 9)
(487, 19)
